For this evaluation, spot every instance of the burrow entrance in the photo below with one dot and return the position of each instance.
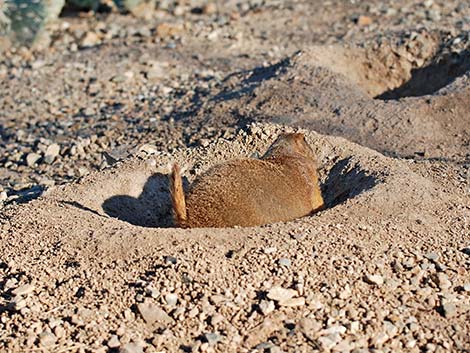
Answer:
(412, 66)
(146, 201)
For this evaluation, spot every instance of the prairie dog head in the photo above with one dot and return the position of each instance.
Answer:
(289, 144)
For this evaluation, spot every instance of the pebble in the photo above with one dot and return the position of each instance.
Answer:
(270, 250)
(284, 262)
(443, 281)
(374, 279)
(47, 339)
(153, 313)
(131, 347)
(379, 339)
(281, 294)
(18, 302)
(390, 329)
(24, 290)
(364, 20)
(52, 152)
(216, 319)
(59, 331)
(266, 307)
(149, 149)
(90, 39)
(113, 342)
(292, 302)
(171, 299)
(449, 309)
(171, 260)
(32, 158)
(338, 329)
(328, 342)
(151, 291)
(466, 287)
(432, 256)
(213, 337)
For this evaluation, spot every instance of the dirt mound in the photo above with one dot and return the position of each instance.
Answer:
(400, 96)
(101, 272)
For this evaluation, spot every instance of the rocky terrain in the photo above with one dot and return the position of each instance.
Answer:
(93, 115)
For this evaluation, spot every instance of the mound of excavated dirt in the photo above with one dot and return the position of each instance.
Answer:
(92, 265)
(403, 96)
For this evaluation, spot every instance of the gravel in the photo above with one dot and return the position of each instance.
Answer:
(96, 118)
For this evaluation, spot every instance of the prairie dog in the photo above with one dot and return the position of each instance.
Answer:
(281, 186)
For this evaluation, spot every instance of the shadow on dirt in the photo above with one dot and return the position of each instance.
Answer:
(151, 209)
(345, 181)
(429, 79)
(257, 77)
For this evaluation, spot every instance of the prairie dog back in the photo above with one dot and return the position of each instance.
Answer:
(281, 186)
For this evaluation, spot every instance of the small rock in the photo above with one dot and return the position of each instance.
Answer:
(18, 302)
(148, 148)
(59, 331)
(466, 287)
(204, 142)
(171, 299)
(379, 339)
(390, 329)
(131, 347)
(32, 158)
(443, 281)
(90, 39)
(432, 256)
(374, 279)
(113, 342)
(449, 309)
(338, 329)
(213, 337)
(363, 20)
(266, 307)
(151, 291)
(153, 313)
(292, 302)
(24, 290)
(209, 8)
(3, 196)
(10, 283)
(165, 30)
(310, 327)
(52, 151)
(170, 259)
(328, 342)
(193, 312)
(283, 261)
(216, 319)
(47, 339)
(280, 294)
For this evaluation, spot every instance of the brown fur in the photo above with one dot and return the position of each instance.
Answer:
(281, 186)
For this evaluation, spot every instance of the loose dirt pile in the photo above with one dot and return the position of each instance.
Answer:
(89, 260)
(382, 267)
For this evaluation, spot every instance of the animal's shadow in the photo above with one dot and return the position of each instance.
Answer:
(345, 181)
(151, 209)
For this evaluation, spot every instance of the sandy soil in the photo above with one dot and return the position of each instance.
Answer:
(89, 260)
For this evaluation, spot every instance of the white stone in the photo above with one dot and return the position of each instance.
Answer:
(153, 313)
(266, 307)
(375, 279)
(24, 290)
(279, 293)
